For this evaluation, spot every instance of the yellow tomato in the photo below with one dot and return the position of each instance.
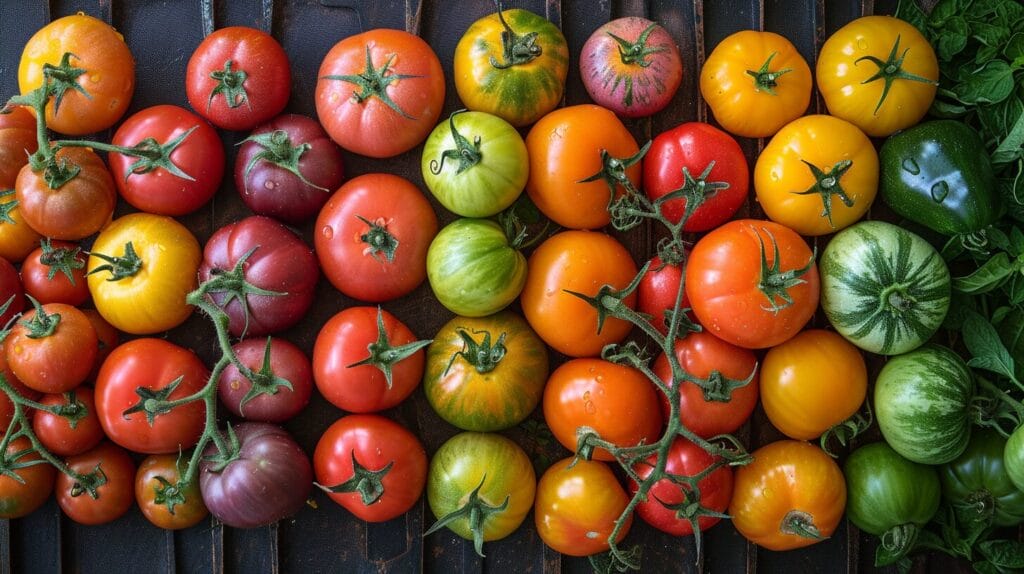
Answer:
(146, 293)
(811, 383)
(755, 83)
(879, 73)
(17, 239)
(818, 175)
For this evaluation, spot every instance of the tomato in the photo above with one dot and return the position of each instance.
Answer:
(372, 237)
(631, 66)
(485, 374)
(617, 401)
(792, 495)
(576, 507)
(811, 383)
(755, 82)
(55, 273)
(512, 64)
(657, 292)
(17, 239)
(977, 483)
(6, 406)
(76, 209)
(145, 368)
(161, 500)
(99, 85)
(721, 364)
(878, 73)
(818, 175)
(238, 77)
(380, 93)
(1013, 456)
(582, 262)
(354, 363)
(188, 173)
(287, 169)
(69, 436)
(668, 502)
(480, 474)
(372, 466)
(717, 170)
(17, 140)
(272, 361)
(107, 337)
(475, 164)
(268, 257)
(752, 283)
(52, 348)
(155, 260)
(568, 146)
(20, 498)
(12, 293)
(114, 497)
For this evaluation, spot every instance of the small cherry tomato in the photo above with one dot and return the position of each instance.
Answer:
(161, 499)
(113, 498)
(74, 433)
(20, 498)
(55, 273)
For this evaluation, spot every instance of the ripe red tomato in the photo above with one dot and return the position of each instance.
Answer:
(76, 209)
(115, 496)
(372, 237)
(6, 406)
(657, 292)
(21, 497)
(68, 437)
(346, 340)
(11, 290)
(390, 461)
(52, 351)
(285, 361)
(55, 273)
(183, 181)
(150, 364)
(238, 78)
(576, 507)
(188, 508)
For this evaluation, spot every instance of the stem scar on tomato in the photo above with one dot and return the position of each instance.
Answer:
(378, 240)
(636, 53)
(276, 148)
(891, 70)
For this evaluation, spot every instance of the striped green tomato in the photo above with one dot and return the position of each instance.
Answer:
(883, 288)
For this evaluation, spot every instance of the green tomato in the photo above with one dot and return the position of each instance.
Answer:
(977, 481)
(475, 164)
(1013, 457)
(473, 269)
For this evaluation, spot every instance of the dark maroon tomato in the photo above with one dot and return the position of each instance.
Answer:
(59, 434)
(656, 294)
(10, 286)
(270, 478)
(285, 362)
(288, 168)
(268, 257)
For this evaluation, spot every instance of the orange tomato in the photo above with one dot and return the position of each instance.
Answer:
(76, 209)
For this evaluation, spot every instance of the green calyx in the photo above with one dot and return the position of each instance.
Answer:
(231, 85)
(373, 82)
(276, 148)
(63, 259)
(466, 153)
(264, 381)
(696, 191)
(483, 356)
(766, 80)
(516, 49)
(383, 355)
(379, 241)
(7, 206)
(167, 494)
(234, 286)
(61, 78)
(368, 483)
(613, 172)
(42, 324)
(776, 283)
(826, 185)
(719, 388)
(476, 511)
(637, 53)
(891, 70)
(153, 402)
(121, 267)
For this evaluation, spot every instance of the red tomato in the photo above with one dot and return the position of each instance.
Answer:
(69, 436)
(380, 93)
(114, 497)
(576, 508)
(150, 365)
(372, 237)
(55, 273)
(346, 339)
(75, 210)
(54, 352)
(179, 183)
(17, 140)
(284, 361)
(657, 292)
(238, 78)
(21, 497)
(6, 406)
(11, 290)
(390, 461)
(185, 507)
(697, 147)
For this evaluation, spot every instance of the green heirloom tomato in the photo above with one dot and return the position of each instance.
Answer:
(481, 486)
(977, 481)
(889, 496)
(475, 164)
(921, 403)
(473, 269)
(883, 288)
(939, 175)
(1013, 457)
(485, 374)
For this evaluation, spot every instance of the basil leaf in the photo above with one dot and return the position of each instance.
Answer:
(1016, 242)
(990, 34)
(947, 110)
(1011, 147)
(909, 11)
(1014, 47)
(985, 278)
(992, 84)
(953, 39)
(1003, 553)
(943, 11)
(986, 567)
(986, 348)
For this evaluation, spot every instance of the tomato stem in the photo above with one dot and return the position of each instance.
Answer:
(774, 282)
(63, 259)
(7, 206)
(383, 355)
(151, 154)
(483, 356)
(828, 184)
(800, 523)
(468, 154)
(368, 483)
(476, 511)
(374, 82)
(42, 324)
(277, 149)
(516, 49)
(379, 241)
(231, 85)
(613, 172)
(765, 80)
(847, 430)
(891, 70)
(119, 267)
(636, 53)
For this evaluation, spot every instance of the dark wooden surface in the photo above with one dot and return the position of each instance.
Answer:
(323, 537)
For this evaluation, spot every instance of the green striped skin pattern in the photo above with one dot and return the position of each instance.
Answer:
(883, 288)
(921, 403)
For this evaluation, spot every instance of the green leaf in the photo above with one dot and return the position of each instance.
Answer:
(985, 278)
(990, 34)
(986, 348)
(943, 11)
(1016, 241)
(948, 110)
(1014, 47)
(959, 306)
(1010, 149)
(1011, 13)
(1003, 553)
(953, 39)
(986, 567)
(909, 11)
(993, 83)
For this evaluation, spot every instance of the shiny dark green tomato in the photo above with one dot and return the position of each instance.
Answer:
(938, 174)
(978, 480)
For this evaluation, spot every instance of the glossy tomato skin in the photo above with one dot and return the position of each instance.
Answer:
(200, 156)
(17, 238)
(368, 125)
(35, 275)
(78, 208)
(385, 256)
(152, 364)
(280, 262)
(580, 261)
(978, 480)
(344, 340)
(108, 78)
(375, 443)
(56, 362)
(700, 355)
(722, 278)
(266, 84)
(684, 459)
(270, 480)
(576, 508)
(564, 148)
(269, 189)
(114, 498)
(694, 146)
(657, 292)
(286, 361)
(788, 482)
(617, 401)
(11, 289)
(17, 141)
(6, 406)
(186, 514)
(21, 498)
(56, 432)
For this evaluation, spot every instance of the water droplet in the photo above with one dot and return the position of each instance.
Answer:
(939, 191)
(95, 77)
(327, 232)
(862, 44)
(910, 166)
(593, 534)
(269, 184)
(590, 408)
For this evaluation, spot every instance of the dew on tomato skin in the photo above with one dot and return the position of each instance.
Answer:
(235, 384)
(593, 534)
(327, 232)
(270, 184)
